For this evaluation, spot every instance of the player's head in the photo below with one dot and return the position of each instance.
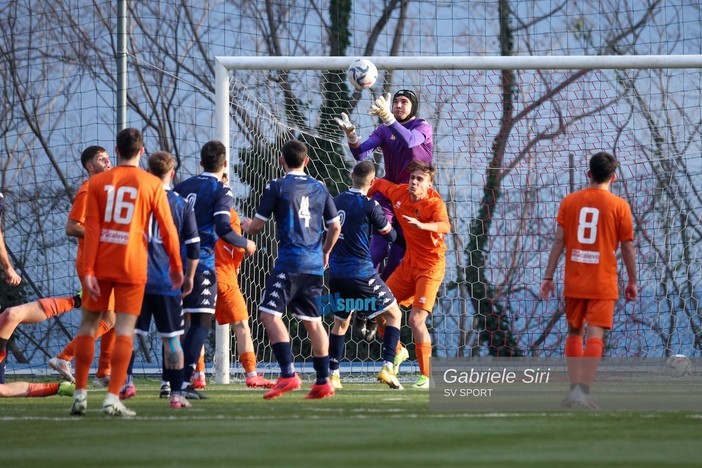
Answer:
(603, 167)
(362, 174)
(130, 143)
(294, 154)
(162, 164)
(405, 104)
(213, 156)
(421, 178)
(95, 159)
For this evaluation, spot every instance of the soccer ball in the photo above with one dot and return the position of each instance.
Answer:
(362, 74)
(678, 365)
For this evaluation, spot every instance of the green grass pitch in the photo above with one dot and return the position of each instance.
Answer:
(364, 424)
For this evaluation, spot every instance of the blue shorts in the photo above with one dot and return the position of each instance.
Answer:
(167, 312)
(203, 298)
(369, 296)
(298, 291)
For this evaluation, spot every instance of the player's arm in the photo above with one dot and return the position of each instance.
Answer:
(92, 237)
(380, 223)
(264, 211)
(547, 285)
(169, 235)
(629, 257)
(383, 186)
(222, 222)
(11, 276)
(440, 223)
(74, 225)
(333, 222)
(191, 238)
(362, 151)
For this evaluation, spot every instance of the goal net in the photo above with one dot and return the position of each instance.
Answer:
(512, 136)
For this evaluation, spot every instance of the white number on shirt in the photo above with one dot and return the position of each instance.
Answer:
(304, 211)
(587, 225)
(119, 207)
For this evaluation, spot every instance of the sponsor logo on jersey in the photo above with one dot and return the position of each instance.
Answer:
(422, 300)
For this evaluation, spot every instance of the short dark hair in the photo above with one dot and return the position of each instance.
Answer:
(161, 163)
(363, 172)
(89, 154)
(294, 153)
(602, 167)
(213, 156)
(422, 166)
(129, 142)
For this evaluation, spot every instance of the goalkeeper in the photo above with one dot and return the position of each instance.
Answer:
(403, 138)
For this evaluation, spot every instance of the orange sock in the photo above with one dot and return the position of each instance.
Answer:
(200, 366)
(70, 350)
(42, 389)
(423, 352)
(107, 344)
(248, 360)
(398, 348)
(592, 354)
(85, 352)
(574, 352)
(121, 355)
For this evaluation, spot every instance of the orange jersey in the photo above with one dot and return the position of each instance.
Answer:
(228, 257)
(594, 222)
(119, 204)
(425, 250)
(77, 214)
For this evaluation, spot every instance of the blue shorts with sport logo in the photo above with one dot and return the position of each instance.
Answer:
(298, 292)
(365, 296)
(167, 312)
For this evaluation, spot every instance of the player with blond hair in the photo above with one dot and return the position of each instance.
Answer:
(424, 220)
(592, 223)
(120, 204)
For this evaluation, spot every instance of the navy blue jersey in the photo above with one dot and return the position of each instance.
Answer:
(209, 197)
(302, 206)
(351, 257)
(2, 204)
(158, 281)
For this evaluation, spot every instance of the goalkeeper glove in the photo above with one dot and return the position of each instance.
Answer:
(381, 108)
(350, 129)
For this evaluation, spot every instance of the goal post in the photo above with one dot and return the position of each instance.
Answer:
(506, 155)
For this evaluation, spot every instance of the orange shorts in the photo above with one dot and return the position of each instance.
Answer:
(53, 306)
(110, 305)
(231, 306)
(415, 285)
(598, 312)
(127, 298)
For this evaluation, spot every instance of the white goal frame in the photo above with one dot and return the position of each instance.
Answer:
(223, 64)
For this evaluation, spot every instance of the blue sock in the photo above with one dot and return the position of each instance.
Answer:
(321, 366)
(192, 345)
(283, 354)
(392, 336)
(336, 350)
(130, 369)
(175, 378)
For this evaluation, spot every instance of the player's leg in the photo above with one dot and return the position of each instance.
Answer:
(337, 346)
(107, 344)
(199, 380)
(392, 317)
(35, 390)
(575, 316)
(84, 353)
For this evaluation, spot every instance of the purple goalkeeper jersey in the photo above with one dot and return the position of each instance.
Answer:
(401, 144)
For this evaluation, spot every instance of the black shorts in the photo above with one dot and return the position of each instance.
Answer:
(366, 296)
(299, 292)
(167, 312)
(203, 298)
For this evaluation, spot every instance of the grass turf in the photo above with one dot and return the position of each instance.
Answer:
(363, 425)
